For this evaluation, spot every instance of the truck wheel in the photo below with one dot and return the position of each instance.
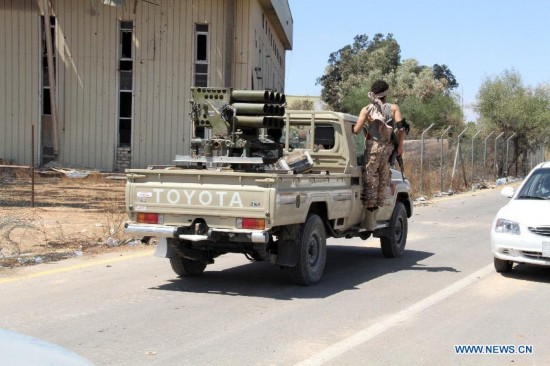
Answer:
(393, 245)
(503, 266)
(186, 267)
(312, 252)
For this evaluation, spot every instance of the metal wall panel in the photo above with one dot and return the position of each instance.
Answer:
(19, 81)
(253, 48)
(243, 66)
(87, 46)
(164, 74)
(86, 40)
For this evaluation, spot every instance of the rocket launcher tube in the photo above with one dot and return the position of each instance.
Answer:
(252, 109)
(259, 122)
(254, 96)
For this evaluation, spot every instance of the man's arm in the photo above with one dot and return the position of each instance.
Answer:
(360, 121)
(396, 112)
(398, 117)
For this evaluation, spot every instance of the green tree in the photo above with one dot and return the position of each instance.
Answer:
(422, 98)
(354, 65)
(506, 105)
(442, 73)
(423, 93)
(441, 110)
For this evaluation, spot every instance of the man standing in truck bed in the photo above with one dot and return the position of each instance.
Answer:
(380, 118)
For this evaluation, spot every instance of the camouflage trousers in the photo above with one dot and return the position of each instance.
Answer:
(376, 175)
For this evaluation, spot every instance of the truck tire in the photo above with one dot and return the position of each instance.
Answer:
(503, 266)
(312, 252)
(393, 245)
(184, 267)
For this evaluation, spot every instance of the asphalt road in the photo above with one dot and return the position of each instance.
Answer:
(131, 309)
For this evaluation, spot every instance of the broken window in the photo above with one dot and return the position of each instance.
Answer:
(125, 84)
(46, 103)
(201, 55)
(201, 63)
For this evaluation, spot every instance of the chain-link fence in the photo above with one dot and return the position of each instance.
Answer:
(437, 163)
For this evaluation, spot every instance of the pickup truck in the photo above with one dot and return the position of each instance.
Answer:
(281, 212)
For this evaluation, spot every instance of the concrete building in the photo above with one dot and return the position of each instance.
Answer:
(122, 72)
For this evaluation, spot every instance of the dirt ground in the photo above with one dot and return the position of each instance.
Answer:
(71, 217)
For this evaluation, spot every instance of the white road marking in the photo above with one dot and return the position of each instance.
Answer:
(386, 323)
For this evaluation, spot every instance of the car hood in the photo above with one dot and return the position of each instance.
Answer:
(527, 212)
(21, 349)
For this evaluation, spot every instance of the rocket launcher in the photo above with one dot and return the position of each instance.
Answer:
(225, 110)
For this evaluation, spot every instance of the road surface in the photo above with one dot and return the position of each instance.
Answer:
(131, 309)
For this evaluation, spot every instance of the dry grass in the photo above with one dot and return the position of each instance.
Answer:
(70, 216)
(430, 183)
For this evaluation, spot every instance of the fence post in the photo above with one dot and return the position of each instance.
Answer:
(485, 154)
(456, 158)
(441, 161)
(422, 159)
(495, 152)
(507, 148)
(473, 138)
(32, 166)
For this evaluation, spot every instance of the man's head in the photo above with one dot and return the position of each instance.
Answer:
(380, 89)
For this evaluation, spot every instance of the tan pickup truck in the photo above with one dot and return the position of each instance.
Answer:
(269, 208)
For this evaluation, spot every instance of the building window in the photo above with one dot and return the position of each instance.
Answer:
(201, 63)
(46, 103)
(125, 84)
(201, 55)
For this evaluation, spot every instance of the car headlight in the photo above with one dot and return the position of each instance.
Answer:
(507, 226)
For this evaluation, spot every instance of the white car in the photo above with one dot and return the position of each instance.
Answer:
(521, 229)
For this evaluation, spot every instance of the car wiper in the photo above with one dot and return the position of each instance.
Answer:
(527, 197)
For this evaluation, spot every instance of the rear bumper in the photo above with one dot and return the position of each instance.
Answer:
(163, 231)
(160, 231)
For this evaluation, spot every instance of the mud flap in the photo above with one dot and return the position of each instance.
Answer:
(287, 253)
(164, 250)
(382, 232)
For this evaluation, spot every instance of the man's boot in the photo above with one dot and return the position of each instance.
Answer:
(369, 219)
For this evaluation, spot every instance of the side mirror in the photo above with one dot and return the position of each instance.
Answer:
(508, 192)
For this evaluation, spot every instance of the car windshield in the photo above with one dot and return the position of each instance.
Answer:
(537, 186)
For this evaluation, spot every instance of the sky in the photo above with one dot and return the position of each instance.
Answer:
(476, 39)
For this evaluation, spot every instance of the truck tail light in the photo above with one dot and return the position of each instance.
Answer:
(248, 223)
(147, 218)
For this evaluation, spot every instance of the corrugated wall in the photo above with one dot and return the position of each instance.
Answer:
(254, 47)
(87, 41)
(164, 74)
(242, 44)
(19, 79)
